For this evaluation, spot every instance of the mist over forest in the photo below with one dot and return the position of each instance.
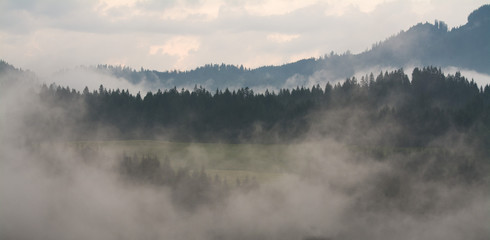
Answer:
(391, 154)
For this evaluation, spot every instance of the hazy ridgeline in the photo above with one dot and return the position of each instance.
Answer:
(379, 157)
(422, 44)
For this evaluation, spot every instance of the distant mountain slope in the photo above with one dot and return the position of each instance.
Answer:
(10, 75)
(467, 47)
(432, 44)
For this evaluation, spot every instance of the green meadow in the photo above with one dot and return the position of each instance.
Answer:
(229, 161)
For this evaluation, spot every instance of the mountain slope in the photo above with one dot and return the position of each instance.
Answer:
(467, 47)
(10, 75)
(432, 44)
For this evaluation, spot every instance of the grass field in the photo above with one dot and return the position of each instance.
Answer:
(229, 161)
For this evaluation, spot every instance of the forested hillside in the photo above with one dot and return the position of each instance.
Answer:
(10, 75)
(403, 113)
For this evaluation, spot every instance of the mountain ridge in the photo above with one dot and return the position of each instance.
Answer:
(466, 46)
(424, 44)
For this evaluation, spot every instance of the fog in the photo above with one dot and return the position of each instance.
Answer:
(81, 77)
(480, 78)
(50, 191)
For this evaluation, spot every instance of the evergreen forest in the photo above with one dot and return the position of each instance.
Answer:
(426, 108)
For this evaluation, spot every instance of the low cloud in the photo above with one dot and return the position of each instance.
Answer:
(480, 78)
(82, 77)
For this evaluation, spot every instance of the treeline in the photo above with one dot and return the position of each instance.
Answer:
(422, 109)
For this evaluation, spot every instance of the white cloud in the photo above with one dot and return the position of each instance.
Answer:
(282, 38)
(303, 55)
(179, 46)
(422, 7)
(340, 7)
(107, 4)
(276, 7)
(205, 12)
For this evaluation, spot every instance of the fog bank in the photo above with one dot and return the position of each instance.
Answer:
(50, 190)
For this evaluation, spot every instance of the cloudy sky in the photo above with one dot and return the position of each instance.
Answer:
(48, 35)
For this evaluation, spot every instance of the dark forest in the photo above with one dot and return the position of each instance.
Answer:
(425, 108)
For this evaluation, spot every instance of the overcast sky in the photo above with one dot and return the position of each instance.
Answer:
(48, 35)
